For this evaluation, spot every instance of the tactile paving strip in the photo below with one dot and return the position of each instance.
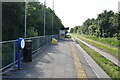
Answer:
(78, 66)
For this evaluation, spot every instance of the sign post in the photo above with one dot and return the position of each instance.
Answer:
(21, 45)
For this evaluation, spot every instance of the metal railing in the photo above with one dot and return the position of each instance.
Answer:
(10, 49)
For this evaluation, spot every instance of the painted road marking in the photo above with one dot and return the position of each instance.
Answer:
(78, 66)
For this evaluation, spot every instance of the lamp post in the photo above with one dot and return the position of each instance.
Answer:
(53, 17)
(44, 16)
(25, 19)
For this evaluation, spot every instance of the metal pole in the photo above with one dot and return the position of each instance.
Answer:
(25, 19)
(44, 15)
(98, 22)
(14, 53)
(53, 17)
(38, 42)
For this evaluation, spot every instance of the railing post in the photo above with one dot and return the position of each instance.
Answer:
(47, 39)
(43, 42)
(38, 42)
(14, 54)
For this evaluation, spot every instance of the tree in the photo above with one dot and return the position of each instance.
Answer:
(75, 29)
(79, 31)
(94, 30)
(13, 20)
(105, 25)
(71, 30)
(86, 25)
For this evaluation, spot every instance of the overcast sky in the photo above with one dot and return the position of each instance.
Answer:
(75, 12)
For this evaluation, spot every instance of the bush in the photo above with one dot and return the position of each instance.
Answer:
(67, 36)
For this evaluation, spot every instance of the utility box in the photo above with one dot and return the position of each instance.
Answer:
(27, 52)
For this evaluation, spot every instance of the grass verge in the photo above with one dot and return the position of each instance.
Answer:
(110, 41)
(68, 36)
(109, 49)
(110, 68)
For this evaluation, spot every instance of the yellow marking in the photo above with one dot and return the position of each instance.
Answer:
(78, 66)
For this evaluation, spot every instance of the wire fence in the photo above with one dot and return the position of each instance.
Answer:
(10, 49)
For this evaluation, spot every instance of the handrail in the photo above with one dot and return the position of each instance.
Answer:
(24, 38)
(8, 41)
(37, 42)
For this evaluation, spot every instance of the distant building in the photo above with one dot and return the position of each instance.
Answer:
(62, 33)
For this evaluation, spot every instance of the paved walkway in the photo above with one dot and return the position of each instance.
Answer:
(55, 61)
(64, 60)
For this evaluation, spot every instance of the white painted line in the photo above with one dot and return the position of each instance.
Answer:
(84, 56)
(73, 39)
(88, 63)
(96, 73)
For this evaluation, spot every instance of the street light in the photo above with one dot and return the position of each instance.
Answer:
(53, 17)
(44, 16)
(25, 19)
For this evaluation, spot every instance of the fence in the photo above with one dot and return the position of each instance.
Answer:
(10, 49)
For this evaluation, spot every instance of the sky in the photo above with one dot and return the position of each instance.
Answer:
(74, 12)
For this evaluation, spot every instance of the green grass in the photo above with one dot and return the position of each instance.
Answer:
(109, 49)
(110, 41)
(110, 68)
(68, 36)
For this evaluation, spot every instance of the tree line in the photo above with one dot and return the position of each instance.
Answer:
(13, 14)
(105, 25)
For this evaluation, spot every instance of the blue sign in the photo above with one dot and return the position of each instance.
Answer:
(21, 43)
